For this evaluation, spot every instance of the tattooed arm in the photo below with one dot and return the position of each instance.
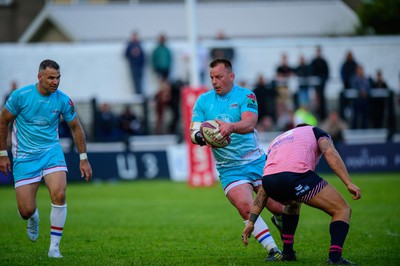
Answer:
(258, 205)
(336, 163)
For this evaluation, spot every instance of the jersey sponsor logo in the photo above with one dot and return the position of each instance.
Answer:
(234, 105)
(251, 101)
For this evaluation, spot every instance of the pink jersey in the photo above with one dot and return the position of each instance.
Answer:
(295, 151)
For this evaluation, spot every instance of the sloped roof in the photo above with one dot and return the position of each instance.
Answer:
(247, 19)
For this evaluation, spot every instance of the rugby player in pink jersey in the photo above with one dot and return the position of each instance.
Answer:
(289, 177)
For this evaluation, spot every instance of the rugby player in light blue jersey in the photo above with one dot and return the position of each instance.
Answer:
(37, 154)
(240, 164)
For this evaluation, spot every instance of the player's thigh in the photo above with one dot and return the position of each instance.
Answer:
(26, 198)
(241, 194)
(56, 183)
(329, 200)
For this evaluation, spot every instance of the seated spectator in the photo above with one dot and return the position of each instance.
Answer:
(334, 125)
(106, 124)
(304, 115)
(129, 124)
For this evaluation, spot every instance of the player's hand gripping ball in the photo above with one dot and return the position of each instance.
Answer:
(211, 135)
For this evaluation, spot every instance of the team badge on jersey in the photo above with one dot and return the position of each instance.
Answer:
(251, 101)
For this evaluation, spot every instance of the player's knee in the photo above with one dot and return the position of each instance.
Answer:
(58, 198)
(244, 210)
(26, 213)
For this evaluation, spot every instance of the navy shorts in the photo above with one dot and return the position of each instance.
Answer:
(289, 186)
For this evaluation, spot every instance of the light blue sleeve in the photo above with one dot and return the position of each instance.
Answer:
(198, 113)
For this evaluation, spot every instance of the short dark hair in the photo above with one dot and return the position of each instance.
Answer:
(223, 61)
(48, 64)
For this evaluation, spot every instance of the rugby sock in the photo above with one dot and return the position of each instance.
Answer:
(262, 234)
(338, 231)
(58, 215)
(289, 226)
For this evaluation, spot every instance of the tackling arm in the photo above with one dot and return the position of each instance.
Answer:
(336, 163)
(258, 205)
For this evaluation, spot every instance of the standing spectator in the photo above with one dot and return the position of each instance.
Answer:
(162, 58)
(36, 110)
(135, 55)
(378, 103)
(163, 99)
(320, 69)
(106, 124)
(303, 73)
(174, 104)
(348, 70)
(239, 164)
(297, 182)
(360, 104)
(223, 51)
(284, 70)
(281, 83)
(266, 96)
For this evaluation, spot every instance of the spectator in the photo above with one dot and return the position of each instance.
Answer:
(135, 55)
(226, 52)
(106, 124)
(348, 70)
(360, 104)
(129, 123)
(174, 104)
(266, 96)
(304, 116)
(284, 70)
(303, 72)
(163, 99)
(378, 103)
(320, 69)
(335, 126)
(162, 58)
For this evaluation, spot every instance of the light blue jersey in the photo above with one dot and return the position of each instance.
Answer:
(35, 128)
(244, 148)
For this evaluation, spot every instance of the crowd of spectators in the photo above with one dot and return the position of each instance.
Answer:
(280, 107)
(364, 102)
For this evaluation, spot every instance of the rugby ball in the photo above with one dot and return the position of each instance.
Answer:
(207, 131)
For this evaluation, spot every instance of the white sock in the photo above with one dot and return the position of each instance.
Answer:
(58, 216)
(262, 234)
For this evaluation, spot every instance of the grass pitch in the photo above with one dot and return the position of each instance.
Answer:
(167, 223)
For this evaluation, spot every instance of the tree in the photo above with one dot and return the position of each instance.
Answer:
(381, 17)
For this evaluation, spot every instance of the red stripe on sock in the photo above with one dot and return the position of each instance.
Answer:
(263, 232)
(57, 228)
